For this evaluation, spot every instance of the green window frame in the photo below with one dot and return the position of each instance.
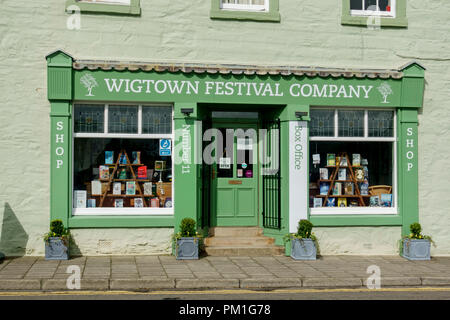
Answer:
(134, 8)
(273, 15)
(400, 19)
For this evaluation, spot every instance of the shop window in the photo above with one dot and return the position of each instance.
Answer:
(247, 5)
(373, 8)
(257, 10)
(353, 167)
(126, 7)
(118, 166)
(374, 14)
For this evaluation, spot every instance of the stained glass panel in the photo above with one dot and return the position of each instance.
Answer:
(381, 123)
(156, 120)
(89, 118)
(123, 119)
(351, 123)
(322, 123)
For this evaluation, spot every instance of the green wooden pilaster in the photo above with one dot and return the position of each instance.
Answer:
(186, 168)
(59, 90)
(408, 168)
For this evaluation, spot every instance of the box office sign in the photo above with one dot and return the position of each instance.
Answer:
(298, 173)
(151, 86)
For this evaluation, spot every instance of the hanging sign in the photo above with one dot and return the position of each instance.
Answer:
(224, 163)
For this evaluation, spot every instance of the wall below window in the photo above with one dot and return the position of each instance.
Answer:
(358, 240)
(126, 241)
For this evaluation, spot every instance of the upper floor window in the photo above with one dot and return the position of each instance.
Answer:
(125, 2)
(383, 8)
(246, 5)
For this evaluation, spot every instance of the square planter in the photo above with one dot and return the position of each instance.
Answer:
(303, 249)
(416, 249)
(56, 249)
(187, 248)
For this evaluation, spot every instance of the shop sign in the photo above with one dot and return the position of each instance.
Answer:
(298, 173)
(163, 87)
(59, 143)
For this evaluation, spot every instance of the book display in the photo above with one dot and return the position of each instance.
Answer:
(345, 181)
(124, 183)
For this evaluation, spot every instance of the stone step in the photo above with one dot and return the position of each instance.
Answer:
(238, 241)
(252, 251)
(236, 231)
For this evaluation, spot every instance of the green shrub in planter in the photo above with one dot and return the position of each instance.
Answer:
(303, 243)
(187, 240)
(416, 246)
(57, 241)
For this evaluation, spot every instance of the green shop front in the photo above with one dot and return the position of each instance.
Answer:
(144, 145)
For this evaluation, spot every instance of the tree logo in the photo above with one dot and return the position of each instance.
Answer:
(385, 90)
(89, 83)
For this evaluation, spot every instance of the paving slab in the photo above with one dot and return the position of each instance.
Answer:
(85, 284)
(260, 283)
(141, 284)
(332, 282)
(207, 283)
(436, 281)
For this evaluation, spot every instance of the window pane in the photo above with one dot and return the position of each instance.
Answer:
(381, 123)
(123, 119)
(156, 120)
(351, 123)
(89, 118)
(356, 4)
(369, 172)
(384, 4)
(371, 5)
(322, 123)
(148, 180)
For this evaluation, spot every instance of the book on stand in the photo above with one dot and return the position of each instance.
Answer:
(324, 187)
(349, 188)
(138, 203)
(136, 156)
(342, 202)
(331, 202)
(104, 172)
(79, 200)
(131, 188)
(356, 161)
(142, 172)
(148, 189)
(374, 201)
(386, 200)
(118, 203)
(317, 202)
(96, 187)
(342, 174)
(91, 203)
(117, 188)
(109, 157)
(337, 189)
(323, 173)
(331, 159)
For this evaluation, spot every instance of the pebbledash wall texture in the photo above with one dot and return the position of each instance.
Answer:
(309, 33)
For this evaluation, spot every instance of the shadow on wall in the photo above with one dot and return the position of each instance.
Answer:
(13, 241)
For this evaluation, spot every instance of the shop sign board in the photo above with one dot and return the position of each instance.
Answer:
(151, 86)
(298, 173)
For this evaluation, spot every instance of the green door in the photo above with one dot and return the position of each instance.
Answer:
(235, 176)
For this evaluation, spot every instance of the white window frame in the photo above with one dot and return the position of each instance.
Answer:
(371, 13)
(245, 7)
(146, 211)
(113, 2)
(362, 210)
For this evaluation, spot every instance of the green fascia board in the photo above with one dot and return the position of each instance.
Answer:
(121, 221)
(355, 220)
(272, 16)
(90, 7)
(400, 20)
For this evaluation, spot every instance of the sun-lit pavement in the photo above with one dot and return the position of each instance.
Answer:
(144, 273)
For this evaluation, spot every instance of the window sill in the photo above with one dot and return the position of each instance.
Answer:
(245, 15)
(353, 211)
(95, 221)
(122, 211)
(133, 9)
(364, 21)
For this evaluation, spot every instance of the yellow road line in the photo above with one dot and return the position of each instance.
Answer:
(224, 292)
